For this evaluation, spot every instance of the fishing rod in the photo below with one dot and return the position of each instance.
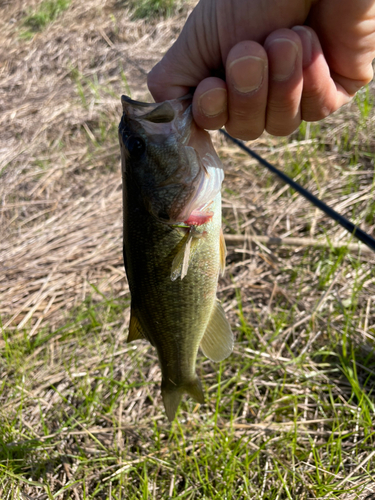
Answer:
(349, 226)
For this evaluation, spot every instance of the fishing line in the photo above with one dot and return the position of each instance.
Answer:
(349, 226)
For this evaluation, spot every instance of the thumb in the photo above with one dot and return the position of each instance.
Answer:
(165, 80)
(188, 61)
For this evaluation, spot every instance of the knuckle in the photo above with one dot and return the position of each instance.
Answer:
(246, 123)
(282, 128)
(283, 117)
(245, 132)
(314, 108)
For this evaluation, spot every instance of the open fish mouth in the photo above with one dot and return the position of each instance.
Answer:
(180, 192)
(159, 113)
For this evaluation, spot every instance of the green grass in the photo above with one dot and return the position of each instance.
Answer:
(289, 415)
(145, 9)
(47, 12)
(289, 426)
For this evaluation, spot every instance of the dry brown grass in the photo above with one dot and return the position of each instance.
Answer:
(60, 186)
(60, 226)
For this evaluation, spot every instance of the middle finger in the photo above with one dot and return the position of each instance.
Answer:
(247, 83)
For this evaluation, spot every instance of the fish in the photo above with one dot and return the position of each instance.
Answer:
(173, 244)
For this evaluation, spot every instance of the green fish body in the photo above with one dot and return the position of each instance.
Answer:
(173, 244)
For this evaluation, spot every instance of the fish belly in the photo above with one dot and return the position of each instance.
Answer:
(172, 315)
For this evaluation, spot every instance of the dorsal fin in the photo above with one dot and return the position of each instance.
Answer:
(217, 341)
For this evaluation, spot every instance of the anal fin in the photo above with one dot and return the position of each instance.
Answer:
(217, 341)
(135, 329)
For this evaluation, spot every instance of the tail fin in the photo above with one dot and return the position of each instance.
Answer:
(172, 395)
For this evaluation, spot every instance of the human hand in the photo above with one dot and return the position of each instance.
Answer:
(284, 61)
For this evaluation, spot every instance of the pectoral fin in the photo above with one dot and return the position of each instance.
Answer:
(135, 329)
(180, 264)
(217, 342)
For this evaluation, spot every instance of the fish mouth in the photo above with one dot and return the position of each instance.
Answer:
(160, 112)
(126, 99)
(198, 176)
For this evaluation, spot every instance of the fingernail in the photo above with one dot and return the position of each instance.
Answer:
(282, 54)
(306, 40)
(213, 102)
(247, 73)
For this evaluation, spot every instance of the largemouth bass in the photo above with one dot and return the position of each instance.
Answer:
(174, 247)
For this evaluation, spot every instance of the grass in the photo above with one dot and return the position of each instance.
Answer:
(275, 426)
(47, 12)
(146, 9)
(290, 414)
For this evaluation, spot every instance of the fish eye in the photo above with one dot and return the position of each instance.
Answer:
(135, 145)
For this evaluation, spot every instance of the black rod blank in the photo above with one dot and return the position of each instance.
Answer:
(349, 226)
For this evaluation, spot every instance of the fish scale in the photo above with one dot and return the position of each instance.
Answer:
(174, 315)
